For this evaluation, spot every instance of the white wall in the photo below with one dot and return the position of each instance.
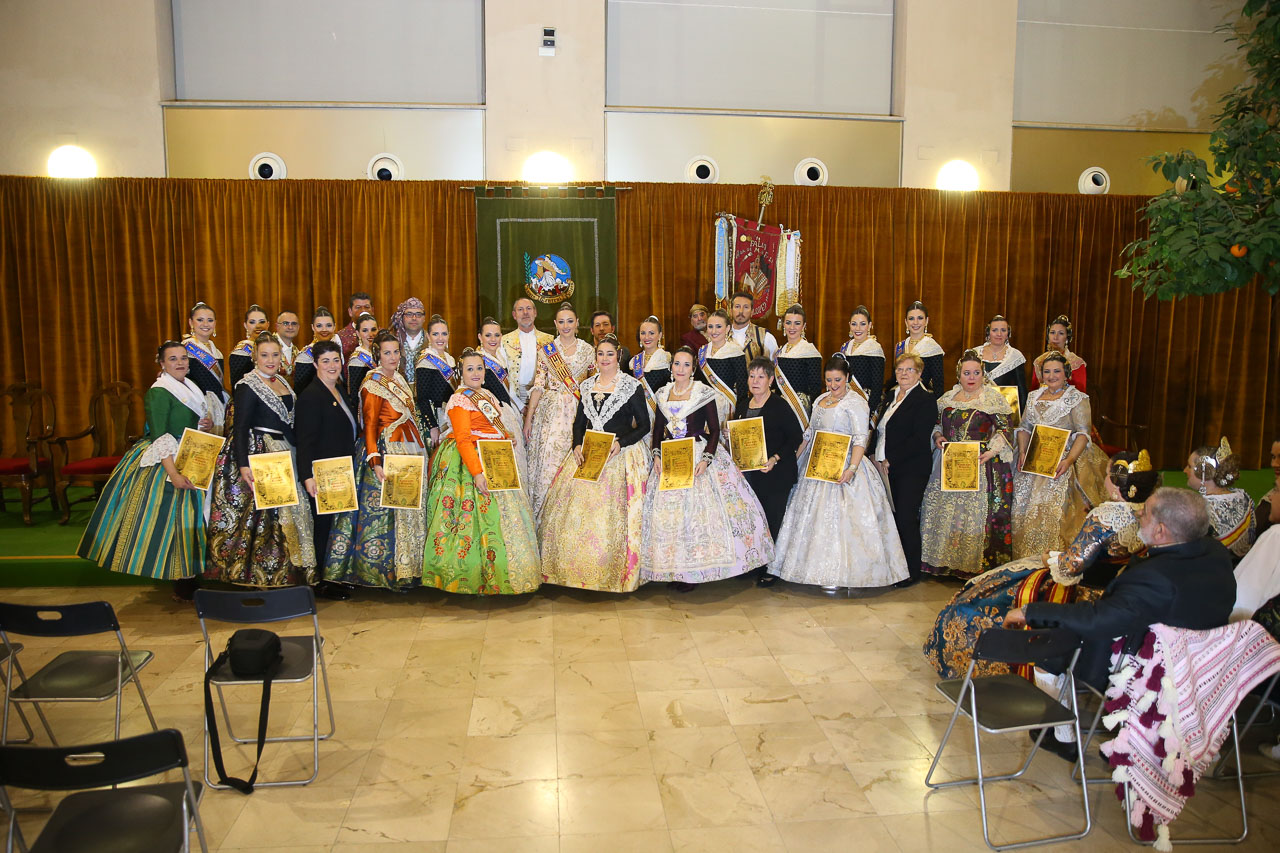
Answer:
(88, 73)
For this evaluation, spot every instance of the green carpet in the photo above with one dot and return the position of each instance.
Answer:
(45, 553)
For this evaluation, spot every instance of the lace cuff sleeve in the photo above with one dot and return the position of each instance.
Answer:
(164, 446)
(1001, 447)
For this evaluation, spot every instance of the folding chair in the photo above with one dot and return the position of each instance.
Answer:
(156, 818)
(1000, 704)
(1266, 701)
(72, 676)
(302, 655)
(5, 651)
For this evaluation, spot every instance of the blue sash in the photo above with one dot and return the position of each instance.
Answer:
(498, 370)
(637, 366)
(367, 359)
(702, 354)
(201, 355)
(439, 364)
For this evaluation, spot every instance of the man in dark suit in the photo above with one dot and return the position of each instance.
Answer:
(1184, 581)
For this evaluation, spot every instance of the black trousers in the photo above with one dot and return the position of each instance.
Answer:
(321, 525)
(908, 494)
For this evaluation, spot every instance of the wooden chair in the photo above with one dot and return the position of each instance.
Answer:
(32, 416)
(1132, 436)
(115, 423)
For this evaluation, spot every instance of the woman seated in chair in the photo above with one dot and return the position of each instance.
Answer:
(149, 520)
(1098, 552)
(1232, 518)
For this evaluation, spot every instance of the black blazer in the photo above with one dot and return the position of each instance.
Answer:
(1191, 585)
(907, 445)
(323, 430)
(782, 437)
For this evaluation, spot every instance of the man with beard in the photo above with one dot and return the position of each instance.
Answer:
(753, 339)
(696, 337)
(407, 325)
(359, 303)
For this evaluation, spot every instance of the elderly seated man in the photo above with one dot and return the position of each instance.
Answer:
(1185, 580)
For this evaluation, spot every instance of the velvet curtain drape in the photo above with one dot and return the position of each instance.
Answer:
(96, 273)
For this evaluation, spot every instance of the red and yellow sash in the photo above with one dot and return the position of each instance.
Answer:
(557, 362)
(1230, 538)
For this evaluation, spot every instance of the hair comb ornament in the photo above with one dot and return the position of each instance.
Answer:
(1142, 463)
(1223, 451)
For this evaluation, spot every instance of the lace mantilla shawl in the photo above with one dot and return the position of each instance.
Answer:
(625, 385)
(269, 398)
(870, 347)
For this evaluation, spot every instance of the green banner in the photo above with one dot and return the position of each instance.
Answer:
(548, 247)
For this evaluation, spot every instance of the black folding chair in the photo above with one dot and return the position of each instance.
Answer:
(93, 675)
(1000, 704)
(302, 656)
(5, 651)
(1266, 701)
(156, 818)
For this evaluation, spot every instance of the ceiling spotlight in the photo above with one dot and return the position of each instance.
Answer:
(72, 161)
(545, 168)
(957, 175)
(702, 170)
(810, 172)
(385, 167)
(267, 167)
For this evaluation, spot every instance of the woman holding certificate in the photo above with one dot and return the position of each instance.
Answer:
(326, 430)
(271, 545)
(921, 343)
(563, 364)
(865, 356)
(967, 511)
(480, 536)
(361, 360)
(590, 527)
(1102, 546)
(149, 520)
(435, 376)
(838, 530)
(799, 364)
(1061, 471)
(304, 366)
(776, 439)
(380, 545)
(722, 364)
(702, 522)
(1005, 365)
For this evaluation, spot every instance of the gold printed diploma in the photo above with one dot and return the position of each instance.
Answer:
(274, 483)
(595, 452)
(198, 456)
(335, 485)
(1010, 393)
(498, 459)
(960, 466)
(1044, 451)
(677, 464)
(826, 459)
(402, 486)
(746, 444)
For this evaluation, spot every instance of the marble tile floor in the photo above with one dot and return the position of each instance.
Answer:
(730, 718)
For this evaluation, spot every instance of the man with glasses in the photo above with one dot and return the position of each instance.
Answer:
(407, 325)
(287, 326)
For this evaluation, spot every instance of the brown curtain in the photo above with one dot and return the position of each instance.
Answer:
(96, 273)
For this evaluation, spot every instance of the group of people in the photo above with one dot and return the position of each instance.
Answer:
(368, 391)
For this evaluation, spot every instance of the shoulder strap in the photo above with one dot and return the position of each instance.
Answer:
(244, 786)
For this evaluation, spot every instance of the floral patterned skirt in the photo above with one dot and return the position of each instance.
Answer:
(250, 547)
(476, 544)
(966, 533)
(375, 546)
(550, 439)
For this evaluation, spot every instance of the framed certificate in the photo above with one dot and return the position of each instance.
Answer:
(960, 466)
(335, 485)
(402, 486)
(595, 452)
(747, 445)
(274, 483)
(827, 456)
(1044, 451)
(197, 456)
(498, 459)
(677, 464)
(1010, 393)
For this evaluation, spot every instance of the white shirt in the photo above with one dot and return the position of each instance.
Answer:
(740, 337)
(413, 341)
(888, 413)
(528, 356)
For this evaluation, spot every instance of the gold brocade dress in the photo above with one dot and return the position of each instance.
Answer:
(552, 434)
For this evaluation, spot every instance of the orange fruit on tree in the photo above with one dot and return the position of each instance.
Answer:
(1239, 251)
(1230, 187)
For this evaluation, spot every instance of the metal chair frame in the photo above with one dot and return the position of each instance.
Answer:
(969, 686)
(254, 607)
(1218, 771)
(65, 620)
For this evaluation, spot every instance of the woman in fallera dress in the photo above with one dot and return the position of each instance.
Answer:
(479, 541)
(716, 529)
(722, 365)
(204, 359)
(1005, 364)
(1100, 549)
(921, 343)
(590, 531)
(652, 364)
(966, 533)
(1232, 518)
(149, 519)
(1047, 511)
(865, 356)
(304, 366)
(435, 377)
(247, 546)
(563, 365)
(242, 359)
(782, 436)
(799, 376)
(840, 534)
(1058, 337)
(498, 379)
(361, 360)
(377, 546)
